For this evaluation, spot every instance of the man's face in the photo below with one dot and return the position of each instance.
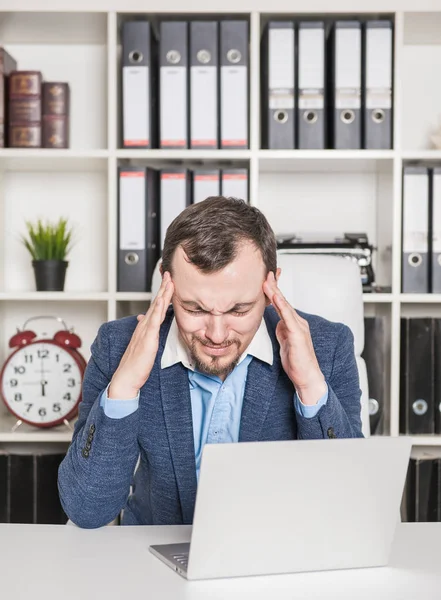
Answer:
(219, 313)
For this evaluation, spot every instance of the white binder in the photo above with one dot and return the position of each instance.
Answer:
(204, 84)
(174, 194)
(234, 84)
(311, 103)
(235, 183)
(436, 231)
(280, 130)
(347, 85)
(206, 183)
(378, 92)
(173, 77)
(415, 278)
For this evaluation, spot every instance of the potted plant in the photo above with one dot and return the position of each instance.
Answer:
(49, 245)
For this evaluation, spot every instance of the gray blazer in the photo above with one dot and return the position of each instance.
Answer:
(94, 478)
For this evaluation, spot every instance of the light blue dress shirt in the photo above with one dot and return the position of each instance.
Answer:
(216, 406)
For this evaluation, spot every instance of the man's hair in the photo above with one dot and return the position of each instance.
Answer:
(211, 232)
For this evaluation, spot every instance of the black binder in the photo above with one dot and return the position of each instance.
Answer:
(138, 232)
(417, 374)
(422, 488)
(21, 490)
(4, 487)
(437, 323)
(48, 505)
(139, 122)
(374, 354)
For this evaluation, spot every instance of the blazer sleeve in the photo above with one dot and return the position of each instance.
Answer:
(94, 477)
(341, 415)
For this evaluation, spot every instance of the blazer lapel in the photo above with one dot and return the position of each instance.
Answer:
(259, 389)
(176, 403)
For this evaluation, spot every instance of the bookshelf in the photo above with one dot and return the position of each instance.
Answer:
(359, 190)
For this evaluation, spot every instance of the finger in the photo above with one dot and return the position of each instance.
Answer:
(155, 317)
(268, 288)
(165, 280)
(168, 295)
(285, 311)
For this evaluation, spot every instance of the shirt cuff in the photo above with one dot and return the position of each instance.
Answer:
(118, 409)
(310, 411)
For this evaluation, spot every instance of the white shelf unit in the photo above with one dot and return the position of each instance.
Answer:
(360, 190)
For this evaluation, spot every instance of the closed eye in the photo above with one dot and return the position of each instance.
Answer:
(204, 312)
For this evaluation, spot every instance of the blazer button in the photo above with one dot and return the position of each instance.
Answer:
(88, 446)
(331, 433)
(92, 428)
(89, 437)
(85, 452)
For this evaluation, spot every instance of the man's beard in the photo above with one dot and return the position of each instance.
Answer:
(212, 365)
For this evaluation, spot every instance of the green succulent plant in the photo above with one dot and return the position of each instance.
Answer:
(50, 241)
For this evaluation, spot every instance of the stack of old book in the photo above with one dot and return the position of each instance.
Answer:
(33, 113)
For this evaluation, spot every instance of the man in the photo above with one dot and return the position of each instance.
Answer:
(229, 361)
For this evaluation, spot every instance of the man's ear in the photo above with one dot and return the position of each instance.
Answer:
(278, 273)
(161, 270)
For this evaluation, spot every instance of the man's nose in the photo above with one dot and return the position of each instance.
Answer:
(216, 330)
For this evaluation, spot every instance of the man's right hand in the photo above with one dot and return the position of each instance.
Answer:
(138, 359)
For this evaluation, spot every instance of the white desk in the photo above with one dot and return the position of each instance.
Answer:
(45, 562)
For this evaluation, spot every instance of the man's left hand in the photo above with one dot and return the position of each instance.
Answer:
(296, 348)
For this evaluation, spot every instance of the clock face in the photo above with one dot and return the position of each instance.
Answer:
(41, 383)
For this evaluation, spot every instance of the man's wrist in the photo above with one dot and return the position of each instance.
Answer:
(311, 394)
(120, 391)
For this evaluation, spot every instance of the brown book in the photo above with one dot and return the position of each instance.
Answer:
(25, 104)
(7, 64)
(56, 107)
(56, 97)
(25, 135)
(55, 131)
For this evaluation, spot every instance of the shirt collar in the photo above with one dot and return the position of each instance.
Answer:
(175, 351)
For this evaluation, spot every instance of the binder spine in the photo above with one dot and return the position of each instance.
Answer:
(279, 93)
(415, 243)
(234, 58)
(204, 84)
(174, 84)
(378, 86)
(346, 92)
(132, 241)
(311, 90)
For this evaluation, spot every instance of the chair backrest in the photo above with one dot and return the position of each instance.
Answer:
(327, 286)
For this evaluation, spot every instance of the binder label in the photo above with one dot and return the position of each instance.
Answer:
(348, 99)
(415, 214)
(203, 106)
(173, 124)
(311, 99)
(436, 208)
(136, 98)
(234, 106)
(132, 217)
(281, 68)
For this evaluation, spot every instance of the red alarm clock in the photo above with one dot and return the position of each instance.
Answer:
(41, 381)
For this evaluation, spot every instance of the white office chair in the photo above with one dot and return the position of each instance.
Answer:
(327, 286)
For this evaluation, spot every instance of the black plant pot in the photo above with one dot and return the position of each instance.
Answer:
(50, 275)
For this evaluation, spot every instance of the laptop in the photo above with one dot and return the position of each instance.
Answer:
(293, 506)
